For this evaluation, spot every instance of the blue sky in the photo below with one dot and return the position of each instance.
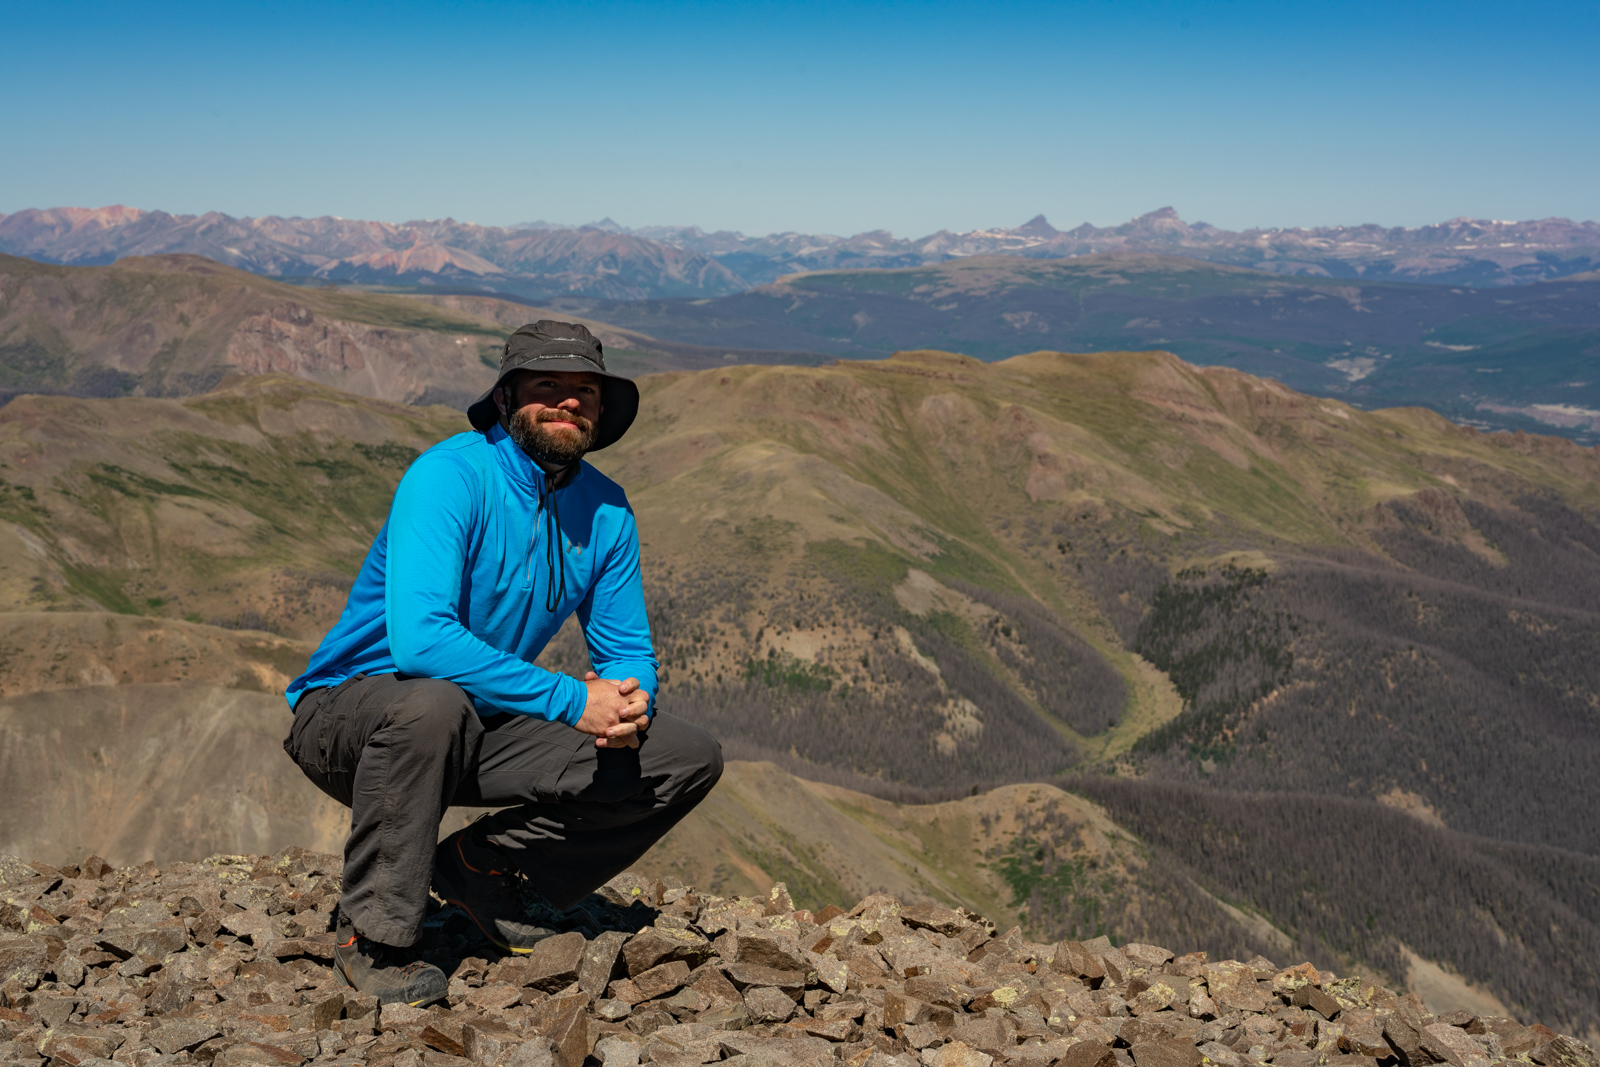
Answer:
(818, 117)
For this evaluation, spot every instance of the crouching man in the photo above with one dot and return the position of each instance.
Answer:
(424, 694)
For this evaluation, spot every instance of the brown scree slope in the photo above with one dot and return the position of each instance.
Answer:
(225, 962)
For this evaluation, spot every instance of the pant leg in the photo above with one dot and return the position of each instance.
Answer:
(394, 750)
(584, 814)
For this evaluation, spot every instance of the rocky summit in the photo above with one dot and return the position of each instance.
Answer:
(226, 962)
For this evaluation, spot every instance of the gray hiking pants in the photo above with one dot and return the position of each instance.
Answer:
(398, 751)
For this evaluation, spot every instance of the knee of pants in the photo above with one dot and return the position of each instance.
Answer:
(431, 712)
(701, 758)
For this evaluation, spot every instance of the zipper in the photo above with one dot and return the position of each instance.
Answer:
(533, 533)
(555, 546)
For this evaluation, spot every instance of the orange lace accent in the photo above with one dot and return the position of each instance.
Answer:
(469, 866)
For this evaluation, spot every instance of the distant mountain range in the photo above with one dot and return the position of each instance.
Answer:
(540, 260)
(1522, 357)
(449, 254)
(1459, 252)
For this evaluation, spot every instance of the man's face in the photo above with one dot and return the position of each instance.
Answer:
(552, 414)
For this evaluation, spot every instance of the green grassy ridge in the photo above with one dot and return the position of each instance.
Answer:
(1120, 425)
(289, 501)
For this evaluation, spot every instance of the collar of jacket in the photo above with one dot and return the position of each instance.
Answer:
(519, 469)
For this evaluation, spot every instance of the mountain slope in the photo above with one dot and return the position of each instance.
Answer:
(174, 325)
(165, 771)
(925, 566)
(251, 506)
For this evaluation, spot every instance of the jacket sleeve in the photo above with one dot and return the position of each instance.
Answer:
(613, 616)
(430, 531)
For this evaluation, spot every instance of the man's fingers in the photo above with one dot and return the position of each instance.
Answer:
(627, 685)
(629, 740)
(590, 676)
(623, 729)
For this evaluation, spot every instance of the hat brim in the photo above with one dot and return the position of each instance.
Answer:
(619, 398)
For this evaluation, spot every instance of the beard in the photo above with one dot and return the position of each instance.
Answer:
(558, 446)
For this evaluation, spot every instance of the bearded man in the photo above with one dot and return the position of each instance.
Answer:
(425, 693)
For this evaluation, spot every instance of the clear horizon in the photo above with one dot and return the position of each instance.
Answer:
(808, 117)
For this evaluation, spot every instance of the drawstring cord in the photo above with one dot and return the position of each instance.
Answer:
(554, 552)
(555, 556)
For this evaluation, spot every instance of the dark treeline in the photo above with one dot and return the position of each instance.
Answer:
(1106, 557)
(1570, 877)
(1144, 894)
(1464, 670)
(893, 736)
(1551, 553)
(1335, 678)
(1349, 879)
(1172, 910)
(1068, 678)
(886, 739)
(1223, 649)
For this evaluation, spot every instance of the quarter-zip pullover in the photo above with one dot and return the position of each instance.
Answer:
(461, 582)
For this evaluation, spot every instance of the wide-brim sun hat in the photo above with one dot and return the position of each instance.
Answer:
(548, 345)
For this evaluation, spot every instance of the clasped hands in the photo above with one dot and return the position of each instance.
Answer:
(616, 713)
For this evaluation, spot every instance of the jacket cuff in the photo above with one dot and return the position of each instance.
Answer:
(573, 701)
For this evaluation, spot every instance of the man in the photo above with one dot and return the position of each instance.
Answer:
(424, 694)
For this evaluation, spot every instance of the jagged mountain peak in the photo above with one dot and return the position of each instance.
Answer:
(1038, 226)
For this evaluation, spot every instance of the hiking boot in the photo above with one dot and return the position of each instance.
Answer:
(391, 974)
(473, 875)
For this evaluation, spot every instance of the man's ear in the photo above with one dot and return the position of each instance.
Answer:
(500, 399)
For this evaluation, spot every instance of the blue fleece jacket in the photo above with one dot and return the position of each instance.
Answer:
(457, 583)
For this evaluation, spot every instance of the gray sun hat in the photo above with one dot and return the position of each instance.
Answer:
(563, 346)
